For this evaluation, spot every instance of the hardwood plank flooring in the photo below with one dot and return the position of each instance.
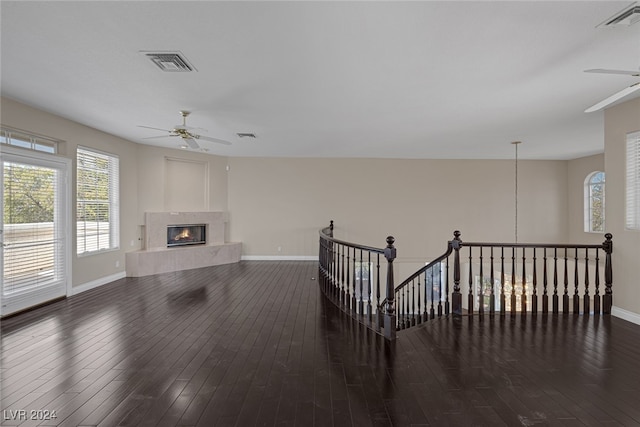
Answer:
(256, 344)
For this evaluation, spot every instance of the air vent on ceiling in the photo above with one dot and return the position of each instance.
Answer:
(624, 18)
(246, 135)
(170, 61)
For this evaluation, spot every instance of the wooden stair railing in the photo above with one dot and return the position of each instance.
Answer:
(350, 275)
(501, 278)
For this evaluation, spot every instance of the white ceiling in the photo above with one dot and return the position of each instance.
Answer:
(328, 79)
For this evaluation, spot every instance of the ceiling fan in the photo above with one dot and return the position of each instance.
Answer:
(618, 95)
(186, 133)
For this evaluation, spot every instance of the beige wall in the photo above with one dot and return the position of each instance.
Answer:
(619, 121)
(282, 203)
(577, 172)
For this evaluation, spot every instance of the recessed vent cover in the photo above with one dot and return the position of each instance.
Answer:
(171, 62)
(246, 135)
(628, 16)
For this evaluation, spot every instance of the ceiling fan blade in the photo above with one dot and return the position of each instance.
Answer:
(613, 98)
(149, 127)
(192, 143)
(604, 71)
(216, 140)
(158, 137)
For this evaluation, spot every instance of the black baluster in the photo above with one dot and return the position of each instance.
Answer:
(425, 314)
(503, 297)
(513, 280)
(596, 297)
(492, 302)
(607, 299)
(390, 321)
(432, 310)
(342, 294)
(413, 302)
(534, 297)
(545, 282)
(439, 289)
(481, 290)
(470, 302)
(354, 285)
(523, 296)
(587, 297)
(576, 282)
(447, 307)
(347, 296)
(379, 312)
(555, 282)
(369, 290)
(565, 295)
(361, 302)
(456, 298)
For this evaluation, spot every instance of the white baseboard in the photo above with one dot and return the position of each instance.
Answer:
(75, 290)
(629, 316)
(279, 258)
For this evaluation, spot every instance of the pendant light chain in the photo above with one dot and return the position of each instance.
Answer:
(516, 143)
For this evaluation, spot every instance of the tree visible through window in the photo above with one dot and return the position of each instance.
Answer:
(97, 201)
(594, 202)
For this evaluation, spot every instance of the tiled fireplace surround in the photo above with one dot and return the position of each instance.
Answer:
(155, 257)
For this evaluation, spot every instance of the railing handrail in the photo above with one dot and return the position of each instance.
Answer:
(426, 267)
(532, 245)
(330, 238)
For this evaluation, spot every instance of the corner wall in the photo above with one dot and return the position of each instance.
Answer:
(618, 122)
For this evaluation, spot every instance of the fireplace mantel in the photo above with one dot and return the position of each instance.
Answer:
(155, 257)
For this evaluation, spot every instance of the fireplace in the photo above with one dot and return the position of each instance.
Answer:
(186, 234)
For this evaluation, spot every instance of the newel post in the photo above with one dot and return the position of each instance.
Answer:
(389, 315)
(456, 298)
(607, 299)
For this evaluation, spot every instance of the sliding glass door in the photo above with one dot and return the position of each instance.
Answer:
(34, 229)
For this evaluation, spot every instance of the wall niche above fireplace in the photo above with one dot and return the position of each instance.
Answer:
(186, 235)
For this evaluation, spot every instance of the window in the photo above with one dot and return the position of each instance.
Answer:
(594, 202)
(98, 213)
(632, 217)
(23, 139)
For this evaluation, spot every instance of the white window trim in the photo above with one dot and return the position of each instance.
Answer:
(114, 206)
(588, 209)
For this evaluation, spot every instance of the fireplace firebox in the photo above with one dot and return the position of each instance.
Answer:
(186, 234)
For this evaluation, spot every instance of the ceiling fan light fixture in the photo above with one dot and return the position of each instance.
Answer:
(626, 17)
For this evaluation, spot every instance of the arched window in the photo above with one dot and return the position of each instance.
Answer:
(594, 202)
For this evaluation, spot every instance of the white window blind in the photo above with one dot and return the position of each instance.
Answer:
(632, 221)
(98, 201)
(33, 244)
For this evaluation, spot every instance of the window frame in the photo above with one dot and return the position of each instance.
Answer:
(112, 202)
(28, 140)
(589, 184)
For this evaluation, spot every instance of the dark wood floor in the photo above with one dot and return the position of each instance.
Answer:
(256, 343)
